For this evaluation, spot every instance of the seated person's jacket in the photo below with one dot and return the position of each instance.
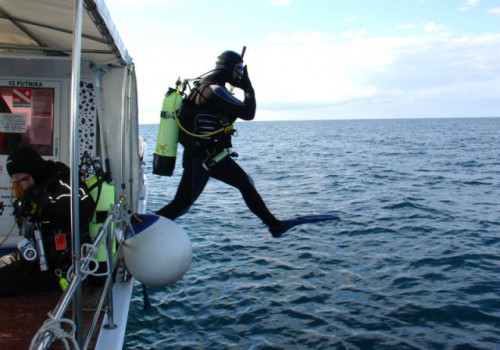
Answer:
(49, 206)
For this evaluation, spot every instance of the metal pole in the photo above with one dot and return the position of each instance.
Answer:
(131, 172)
(98, 73)
(74, 151)
(109, 246)
(123, 126)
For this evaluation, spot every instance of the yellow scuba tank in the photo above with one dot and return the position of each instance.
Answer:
(165, 152)
(104, 196)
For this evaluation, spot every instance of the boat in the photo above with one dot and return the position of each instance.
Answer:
(71, 91)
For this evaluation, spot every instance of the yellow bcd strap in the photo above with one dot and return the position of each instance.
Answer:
(229, 129)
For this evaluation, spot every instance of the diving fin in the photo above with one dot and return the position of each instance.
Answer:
(285, 225)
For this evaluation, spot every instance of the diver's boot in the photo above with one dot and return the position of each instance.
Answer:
(284, 225)
(280, 228)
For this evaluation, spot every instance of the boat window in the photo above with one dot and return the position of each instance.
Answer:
(27, 118)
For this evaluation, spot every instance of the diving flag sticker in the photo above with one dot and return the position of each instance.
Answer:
(21, 97)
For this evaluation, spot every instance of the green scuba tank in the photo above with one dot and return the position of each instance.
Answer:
(104, 196)
(165, 152)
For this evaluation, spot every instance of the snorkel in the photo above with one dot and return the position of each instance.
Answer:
(240, 71)
(243, 65)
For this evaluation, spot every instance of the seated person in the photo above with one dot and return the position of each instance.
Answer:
(43, 191)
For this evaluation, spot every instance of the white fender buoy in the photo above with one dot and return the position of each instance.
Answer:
(159, 253)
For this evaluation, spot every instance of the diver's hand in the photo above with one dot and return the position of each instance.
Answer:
(37, 196)
(245, 83)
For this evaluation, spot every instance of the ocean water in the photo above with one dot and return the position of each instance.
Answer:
(414, 262)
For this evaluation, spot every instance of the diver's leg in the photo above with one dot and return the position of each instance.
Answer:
(193, 181)
(229, 172)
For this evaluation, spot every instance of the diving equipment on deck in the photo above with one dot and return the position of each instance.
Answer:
(103, 193)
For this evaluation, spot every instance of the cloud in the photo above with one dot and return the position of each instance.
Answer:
(355, 75)
(317, 71)
(468, 4)
(406, 26)
(347, 74)
(368, 71)
(352, 34)
(301, 74)
(495, 11)
(428, 27)
(433, 27)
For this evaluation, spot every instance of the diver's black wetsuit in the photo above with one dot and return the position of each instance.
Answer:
(210, 106)
(51, 194)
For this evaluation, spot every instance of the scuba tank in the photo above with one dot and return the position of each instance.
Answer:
(103, 193)
(165, 152)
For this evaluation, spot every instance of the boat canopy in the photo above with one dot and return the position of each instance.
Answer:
(45, 28)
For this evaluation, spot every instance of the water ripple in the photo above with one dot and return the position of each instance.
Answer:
(412, 264)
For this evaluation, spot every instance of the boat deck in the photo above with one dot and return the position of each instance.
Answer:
(22, 316)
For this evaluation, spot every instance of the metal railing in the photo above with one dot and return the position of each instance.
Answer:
(51, 330)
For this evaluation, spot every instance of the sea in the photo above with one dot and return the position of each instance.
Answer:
(413, 262)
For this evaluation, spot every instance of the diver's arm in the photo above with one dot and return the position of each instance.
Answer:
(245, 84)
(223, 100)
(60, 202)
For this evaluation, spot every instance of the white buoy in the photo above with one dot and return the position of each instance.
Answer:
(159, 253)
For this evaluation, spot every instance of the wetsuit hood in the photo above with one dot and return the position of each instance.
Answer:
(224, 69)
(27, 160)
(228, 59)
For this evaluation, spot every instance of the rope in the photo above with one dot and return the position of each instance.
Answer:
(88, 253)
(89, 264)
(53, 326)
(120, 214)
(8, 234)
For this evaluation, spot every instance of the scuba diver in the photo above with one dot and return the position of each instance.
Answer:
(42, 207)
(207, 116)
(210, 106)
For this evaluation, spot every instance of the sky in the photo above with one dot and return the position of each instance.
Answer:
(324, 59)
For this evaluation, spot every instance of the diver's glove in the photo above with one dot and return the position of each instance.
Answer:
(22, 207)
(245, 83)
(37, 196)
